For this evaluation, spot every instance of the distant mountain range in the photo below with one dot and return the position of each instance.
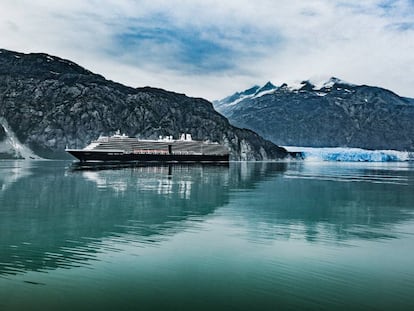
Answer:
(330, 113)
(48, 103)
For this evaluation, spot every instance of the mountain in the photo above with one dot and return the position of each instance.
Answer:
(48, 103)
(253, 92)
(330, 113)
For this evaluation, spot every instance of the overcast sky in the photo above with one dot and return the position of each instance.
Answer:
(212, 48)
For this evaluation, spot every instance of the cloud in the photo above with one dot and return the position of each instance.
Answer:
(183, 50)
(212, 48)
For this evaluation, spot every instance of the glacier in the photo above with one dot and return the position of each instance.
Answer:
(341, 154)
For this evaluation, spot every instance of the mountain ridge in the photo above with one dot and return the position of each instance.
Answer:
(333, 113)
(50, 103)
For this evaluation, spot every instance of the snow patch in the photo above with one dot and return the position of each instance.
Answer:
(322, 82)
(238, 100)
(257, 94)
(260, 94)
(351, 154)
(317, 82)
(294, 85)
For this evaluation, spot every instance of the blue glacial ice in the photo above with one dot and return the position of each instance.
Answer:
(352, 154)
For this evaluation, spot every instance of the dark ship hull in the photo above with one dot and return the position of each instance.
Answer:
(91, 156)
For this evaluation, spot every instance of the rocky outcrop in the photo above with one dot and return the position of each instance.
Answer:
(2, 134)
(331, 114)
(50, 103)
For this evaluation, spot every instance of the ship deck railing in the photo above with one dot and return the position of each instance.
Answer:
(150, 152)
(187, 153)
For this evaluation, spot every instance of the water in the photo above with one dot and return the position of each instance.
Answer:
(251, 236)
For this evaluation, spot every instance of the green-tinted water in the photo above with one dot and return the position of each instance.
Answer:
(251, 236)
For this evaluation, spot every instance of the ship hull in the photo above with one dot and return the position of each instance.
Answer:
(101, 156)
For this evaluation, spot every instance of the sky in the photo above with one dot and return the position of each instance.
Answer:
(213, 48)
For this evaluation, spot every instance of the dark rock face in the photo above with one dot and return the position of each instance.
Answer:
(2, 133)
(51, 103)
(334, 115)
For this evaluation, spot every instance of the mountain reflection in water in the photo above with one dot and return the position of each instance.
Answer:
(329, 203)
(55, 217)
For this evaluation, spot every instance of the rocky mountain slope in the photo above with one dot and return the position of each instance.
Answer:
(48, 103)
(328, 114)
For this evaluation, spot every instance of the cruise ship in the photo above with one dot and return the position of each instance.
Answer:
(121, 148)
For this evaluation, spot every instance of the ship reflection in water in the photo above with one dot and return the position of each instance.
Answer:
(241, 236)
(63, 215)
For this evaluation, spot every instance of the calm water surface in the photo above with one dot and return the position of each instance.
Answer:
(251, 236)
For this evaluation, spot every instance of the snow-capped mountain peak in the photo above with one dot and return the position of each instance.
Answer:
(327, 84)
(253, 92)
(315, 84)
(320, 86)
